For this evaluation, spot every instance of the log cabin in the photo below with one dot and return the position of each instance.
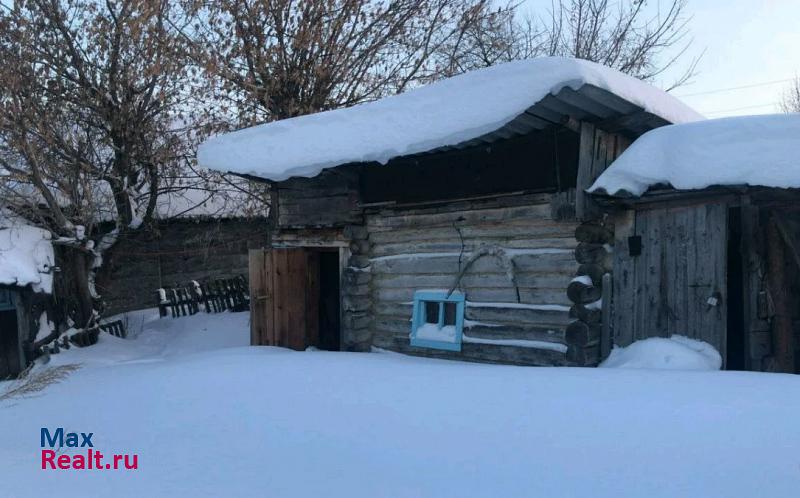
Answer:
(442, 222)
(706, 233)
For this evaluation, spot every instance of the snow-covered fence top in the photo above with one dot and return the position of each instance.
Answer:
(445, 113)
(747, 150)
(26, 255)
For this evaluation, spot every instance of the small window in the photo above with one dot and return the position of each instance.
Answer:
(431, 312)
(437, 320)
(450, 313)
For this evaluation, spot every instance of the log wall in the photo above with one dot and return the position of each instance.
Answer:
(426, 248)
(588, 336)
(328, 200)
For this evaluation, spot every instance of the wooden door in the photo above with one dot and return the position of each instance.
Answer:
(676, 284)
(12, 330)
(282, 298)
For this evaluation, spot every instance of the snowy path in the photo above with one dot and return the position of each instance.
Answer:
(208, 418)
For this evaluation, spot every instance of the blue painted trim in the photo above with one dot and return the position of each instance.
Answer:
(418, 318)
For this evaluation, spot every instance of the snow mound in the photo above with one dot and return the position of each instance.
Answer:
(444, 113)
(746, 150)
(26, 254)
(676, 353)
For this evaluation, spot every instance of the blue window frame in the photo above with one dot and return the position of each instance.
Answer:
(437, 320)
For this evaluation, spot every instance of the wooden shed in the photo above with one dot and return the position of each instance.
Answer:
(14, 330)
(26, 264)
(20, 311)
(461, 244)
(715, 259)
(718, 265)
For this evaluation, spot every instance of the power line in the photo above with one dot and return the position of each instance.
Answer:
(720, 90)
(757, 106)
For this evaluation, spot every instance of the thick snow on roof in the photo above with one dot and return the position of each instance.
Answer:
(444, 113)
(746, 150)
(26, 254)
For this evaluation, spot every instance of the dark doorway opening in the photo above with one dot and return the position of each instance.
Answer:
(735, 341)
(329, 301)
(10, 361)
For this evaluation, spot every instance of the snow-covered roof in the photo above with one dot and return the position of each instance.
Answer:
(445, 113)
(26, 254)
(746, 150)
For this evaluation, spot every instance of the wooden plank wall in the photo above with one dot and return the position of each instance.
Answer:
(327, 200)
(262, 326)
(667, 288)
(178, 252)
(597, 149)
(279, 279)
(758, 342)
(420, 249)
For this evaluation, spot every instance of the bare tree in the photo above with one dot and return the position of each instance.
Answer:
(91, 123)
(621, 34)
(790, 100)
(275, 59)
(495, 37)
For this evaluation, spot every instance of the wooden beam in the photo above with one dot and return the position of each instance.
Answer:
(261, 298)
(789, 235)
(624, 279)
(584, 181)
(312, 298)
(782, 331)
(605, 332)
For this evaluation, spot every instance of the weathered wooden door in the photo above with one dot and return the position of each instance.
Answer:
(670, 274)
(12, 330)
(284, 292)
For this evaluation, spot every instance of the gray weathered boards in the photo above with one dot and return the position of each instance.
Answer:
(677, 284)
(282, 293)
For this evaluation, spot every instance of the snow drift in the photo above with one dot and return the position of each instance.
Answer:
(447, 112)
(675, 353)
(26, 254)
(748, 150)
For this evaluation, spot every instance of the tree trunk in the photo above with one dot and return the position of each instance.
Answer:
(84, 304)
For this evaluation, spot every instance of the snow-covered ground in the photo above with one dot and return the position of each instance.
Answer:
(208, 416)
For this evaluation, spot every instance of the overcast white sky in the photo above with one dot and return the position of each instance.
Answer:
(746, 42)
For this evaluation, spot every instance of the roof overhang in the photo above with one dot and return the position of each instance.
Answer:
(732, 194)
(589, 103)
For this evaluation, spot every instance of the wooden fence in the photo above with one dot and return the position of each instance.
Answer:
(213, 296)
